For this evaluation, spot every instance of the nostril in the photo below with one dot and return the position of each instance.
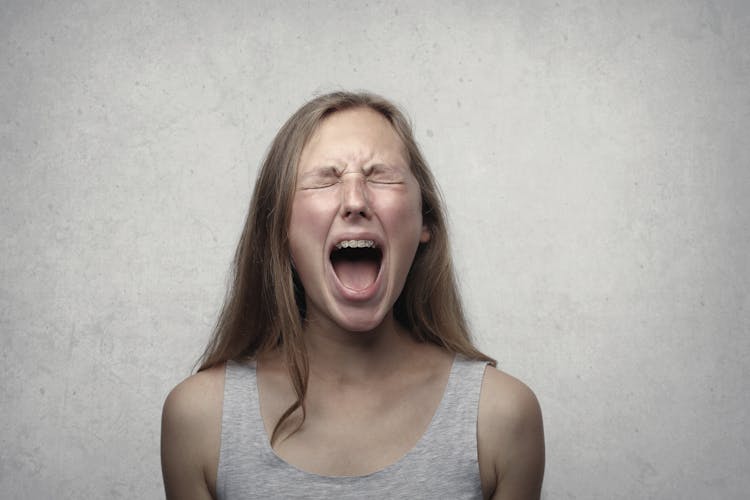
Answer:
(361, 213)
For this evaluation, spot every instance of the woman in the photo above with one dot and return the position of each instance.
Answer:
(341, 365)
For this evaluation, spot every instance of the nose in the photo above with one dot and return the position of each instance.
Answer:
(354, 201)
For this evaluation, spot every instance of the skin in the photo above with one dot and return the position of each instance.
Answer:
(372, 389)
(354, 182)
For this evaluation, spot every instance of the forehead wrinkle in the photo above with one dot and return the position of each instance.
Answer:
(348, 152)
(356, 159)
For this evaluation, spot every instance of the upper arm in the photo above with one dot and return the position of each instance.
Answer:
(191, 434)
(511, 438)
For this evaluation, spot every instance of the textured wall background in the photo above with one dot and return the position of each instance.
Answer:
(594, 158)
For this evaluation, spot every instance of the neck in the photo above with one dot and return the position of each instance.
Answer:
(349, 357)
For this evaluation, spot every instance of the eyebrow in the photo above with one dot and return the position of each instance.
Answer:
(383, 166)
(321, 170)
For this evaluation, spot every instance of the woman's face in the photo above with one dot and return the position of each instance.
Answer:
(356, 220)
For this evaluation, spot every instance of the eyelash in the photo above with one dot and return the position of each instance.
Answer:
(385, 182)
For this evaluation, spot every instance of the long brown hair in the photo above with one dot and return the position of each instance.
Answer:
(264, 308)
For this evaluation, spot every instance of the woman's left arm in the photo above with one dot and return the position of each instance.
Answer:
(511, 438)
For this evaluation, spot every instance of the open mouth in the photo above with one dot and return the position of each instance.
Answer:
(356, 263)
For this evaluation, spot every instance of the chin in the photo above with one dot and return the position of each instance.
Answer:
(363, 322)
(359, 326)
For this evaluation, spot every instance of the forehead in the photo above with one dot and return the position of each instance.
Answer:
(353, 137)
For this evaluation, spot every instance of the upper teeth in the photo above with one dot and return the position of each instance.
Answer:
(355, 244)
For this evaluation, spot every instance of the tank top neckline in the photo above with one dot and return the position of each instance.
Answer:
(423, 438)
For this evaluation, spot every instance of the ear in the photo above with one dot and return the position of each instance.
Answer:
(424, 237)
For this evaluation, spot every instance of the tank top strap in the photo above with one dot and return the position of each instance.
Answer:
(460, 405)
(243, 435)
(453, 430)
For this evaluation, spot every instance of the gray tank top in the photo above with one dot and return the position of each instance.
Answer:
(443, 463)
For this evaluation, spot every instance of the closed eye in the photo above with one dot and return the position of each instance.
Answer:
(320, 184)
(384, 181)
(381, 174)
(320, 178)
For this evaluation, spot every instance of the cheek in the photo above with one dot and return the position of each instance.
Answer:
(299, 243)
(297, 221)
(308, 227)
(401, 214)
(306, 217)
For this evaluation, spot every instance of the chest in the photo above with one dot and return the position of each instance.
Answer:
(354, 431)
(383, 446)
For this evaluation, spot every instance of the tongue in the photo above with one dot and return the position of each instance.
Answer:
(356, 274)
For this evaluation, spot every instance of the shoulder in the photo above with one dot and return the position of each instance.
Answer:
(191, 434)
(505, 399)
(511, 437)
(197, 395)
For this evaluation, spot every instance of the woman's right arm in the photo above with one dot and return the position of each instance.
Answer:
(190, 436)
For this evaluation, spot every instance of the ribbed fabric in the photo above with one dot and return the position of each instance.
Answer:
(443, 463)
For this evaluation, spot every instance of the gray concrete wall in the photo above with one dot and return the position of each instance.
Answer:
(594, 159)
